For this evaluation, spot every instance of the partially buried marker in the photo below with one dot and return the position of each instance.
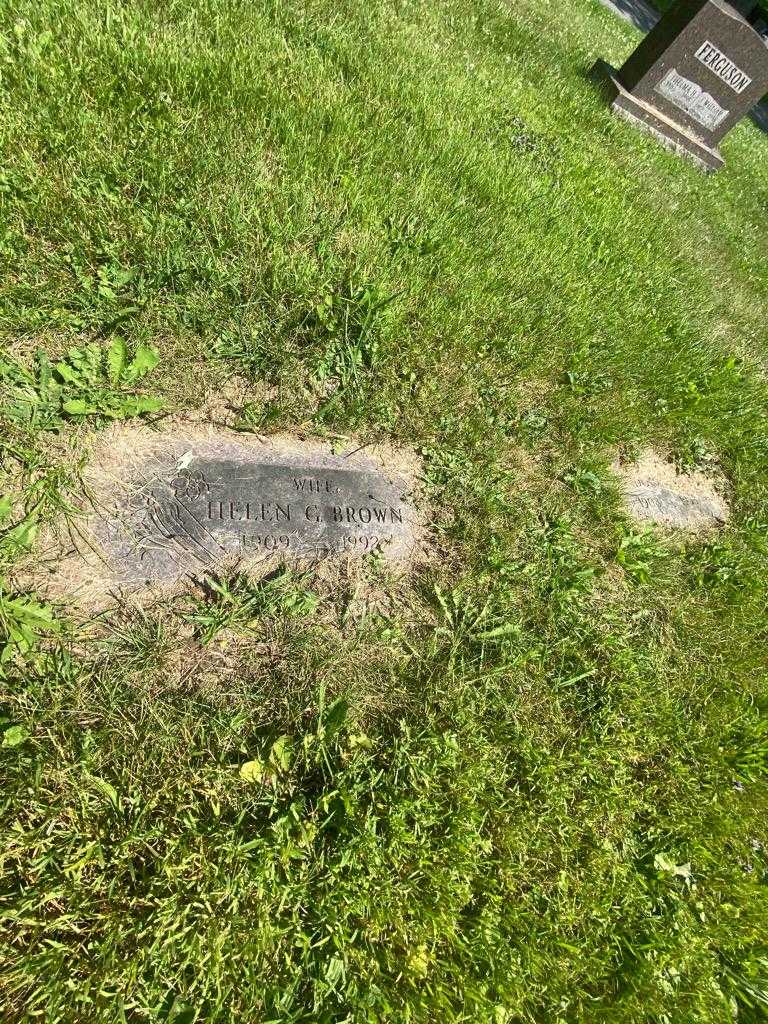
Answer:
(190, 504)
(655, 492)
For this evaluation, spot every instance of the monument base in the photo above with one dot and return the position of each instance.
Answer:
(670, 134)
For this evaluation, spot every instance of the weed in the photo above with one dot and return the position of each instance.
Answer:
(24, 622)
(346, 321)
(584, 481)
(569, 575)
(238, 603)
(722, 564)
(257, 416)
(468, 626)
(641, 554)
(88, 381)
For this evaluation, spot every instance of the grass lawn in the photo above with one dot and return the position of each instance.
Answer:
(534, 788)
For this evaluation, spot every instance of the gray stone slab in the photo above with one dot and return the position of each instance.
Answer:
(190, 510)
(655, 492)
(655, 503)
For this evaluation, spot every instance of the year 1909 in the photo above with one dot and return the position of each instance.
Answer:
(271, 542)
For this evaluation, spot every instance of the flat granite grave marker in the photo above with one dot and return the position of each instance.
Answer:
(655, 492)
(696, 74)
(187, 505)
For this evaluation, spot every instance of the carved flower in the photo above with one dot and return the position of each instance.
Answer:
(190, 484)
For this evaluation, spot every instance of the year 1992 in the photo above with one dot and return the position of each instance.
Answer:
(363, 542)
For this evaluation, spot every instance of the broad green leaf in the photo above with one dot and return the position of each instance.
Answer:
(15, 735)
(146, 359)
(252, 771)
(137, 406)
(663, 862)
(5, 508)
(23, 535)
(358, 740)
(78, 407)
(110, 407)
(507, 629)
(122, 276)
(107, 790)
(335, 715)
(281, 754)
(68, 373)
(26, 610)
(46, 385)
(117, 356)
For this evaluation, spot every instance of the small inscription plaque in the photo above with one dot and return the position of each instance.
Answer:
(187, 512)
(655, 492)
(691, 98)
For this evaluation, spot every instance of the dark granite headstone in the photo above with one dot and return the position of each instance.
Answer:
(191, 509)
(745, 7)
(694, 76)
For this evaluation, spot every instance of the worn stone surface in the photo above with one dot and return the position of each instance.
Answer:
(167, 507)
(654, 492)
(232, 502)
(696, 74)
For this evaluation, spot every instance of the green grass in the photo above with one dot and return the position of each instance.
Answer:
(531, 786)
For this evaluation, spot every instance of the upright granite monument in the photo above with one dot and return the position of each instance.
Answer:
(694, 76)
